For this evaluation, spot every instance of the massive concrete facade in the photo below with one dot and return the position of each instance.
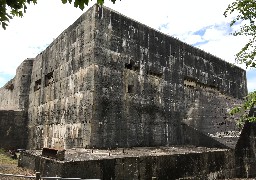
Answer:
(13, 108)
(108, 81)
(149, 86)
(14, 95)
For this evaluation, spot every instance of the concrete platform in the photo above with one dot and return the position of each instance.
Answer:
(82, 154)
(186, 162)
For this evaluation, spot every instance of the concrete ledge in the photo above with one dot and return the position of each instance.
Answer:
(136, 163)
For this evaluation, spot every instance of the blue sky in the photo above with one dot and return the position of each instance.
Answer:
(251, 80)
(199, 22)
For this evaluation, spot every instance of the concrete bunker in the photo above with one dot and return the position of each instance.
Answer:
(178, 95)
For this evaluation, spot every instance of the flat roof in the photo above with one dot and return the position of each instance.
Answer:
(82, 154)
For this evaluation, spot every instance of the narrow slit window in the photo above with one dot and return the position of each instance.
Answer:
(157, 74)
(48, 79)
(130, 88)
(37, 85)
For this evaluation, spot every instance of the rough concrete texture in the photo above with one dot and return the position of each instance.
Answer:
(14, 95)
(108, 81)
(13, 129)
(137, 163)
(246, 151)
(13, 108)
(62, 89)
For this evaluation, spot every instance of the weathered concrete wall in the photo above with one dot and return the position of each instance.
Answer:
(246, 149)
(14, 95)
(216, 164)
(13, 108)
(62, 89)
(211, 89)
(207, 112)
(207, 165)
(13, 131)
(108, 81)
(148, 83)
(135, 93)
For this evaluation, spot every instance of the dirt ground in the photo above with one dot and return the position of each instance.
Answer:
(10, 166)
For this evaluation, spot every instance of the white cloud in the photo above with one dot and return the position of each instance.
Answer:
(182, 16)
(213, 34)
(225, 47)
(26, 37)
(192, 38)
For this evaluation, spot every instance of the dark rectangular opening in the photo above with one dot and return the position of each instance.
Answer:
(37, 85)
(193, 83)
(128, 66)
(130, 88)
(132, 66)
(49, 79)
(157, 74)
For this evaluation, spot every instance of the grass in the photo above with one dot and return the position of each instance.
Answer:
(6, 160)
(10, 166)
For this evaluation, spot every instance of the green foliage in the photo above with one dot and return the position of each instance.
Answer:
(2, 151)
(11, 8)
(246, 15)
(242, 110)
(246, 10)
(5, 159)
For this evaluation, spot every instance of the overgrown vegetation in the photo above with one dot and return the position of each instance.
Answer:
(246, 16)
(246, 10)
(5, 159)
(243, 109)
(10, 166)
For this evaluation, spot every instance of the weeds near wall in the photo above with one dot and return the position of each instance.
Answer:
(10, 166)
(4, 159)
(243, 111)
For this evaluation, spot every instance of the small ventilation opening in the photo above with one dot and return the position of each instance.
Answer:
(132, 66)
(129, 66)
(48, 79)
(130, 89)
(37, 85)
(157, 74)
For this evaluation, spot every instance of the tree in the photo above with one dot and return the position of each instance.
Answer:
(243, 110)
(11, 8)
(246, 10)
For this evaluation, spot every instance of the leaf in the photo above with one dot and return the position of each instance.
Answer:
(64, 1)
(246, 15)
(243, 109)
(4, 25)
(100, 2)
